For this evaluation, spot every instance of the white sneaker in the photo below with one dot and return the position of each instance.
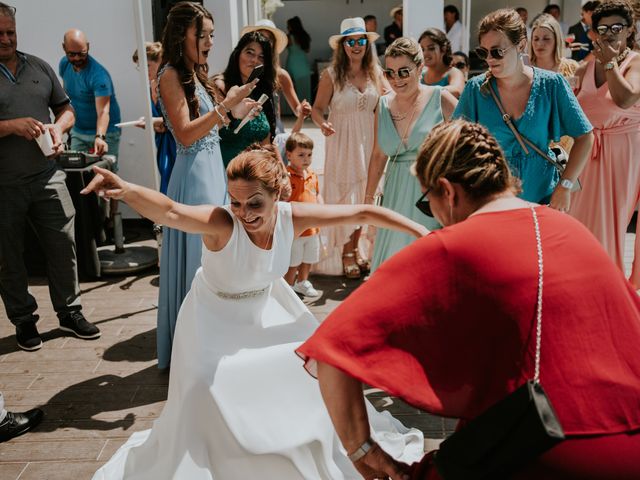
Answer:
(305, 288)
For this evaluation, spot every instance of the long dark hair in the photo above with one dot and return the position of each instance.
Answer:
(182, 16)
(299, 34)
(439, 38)
(267, 83)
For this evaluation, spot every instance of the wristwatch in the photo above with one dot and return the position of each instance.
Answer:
(362, 450)
(566, 183)
(610, 65)
(101, 136)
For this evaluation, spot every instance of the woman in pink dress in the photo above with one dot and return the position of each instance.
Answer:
(609, 92)
(350, 89)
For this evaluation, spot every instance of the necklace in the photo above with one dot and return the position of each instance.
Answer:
(398, 117)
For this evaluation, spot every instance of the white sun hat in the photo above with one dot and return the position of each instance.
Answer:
(350, 27)
(394, 10)
(265, 24)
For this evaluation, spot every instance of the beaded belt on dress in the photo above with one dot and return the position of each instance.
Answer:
(242, 295)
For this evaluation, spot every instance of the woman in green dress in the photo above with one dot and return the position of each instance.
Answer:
(403, 119)
(297, 62)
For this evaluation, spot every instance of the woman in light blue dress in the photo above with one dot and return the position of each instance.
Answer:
(540, 103)
(198, 176)
(403, 120)
(297, 61)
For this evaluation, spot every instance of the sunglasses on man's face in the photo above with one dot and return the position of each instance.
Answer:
(423, 204)
(615, 28)
(76, 54)
(497, 53)
(352, 42)
(460, 65)
(402, 73)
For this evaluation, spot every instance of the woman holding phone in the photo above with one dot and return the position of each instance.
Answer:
(252, 57)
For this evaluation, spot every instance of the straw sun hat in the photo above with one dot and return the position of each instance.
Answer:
(265, 24)
(351, 27)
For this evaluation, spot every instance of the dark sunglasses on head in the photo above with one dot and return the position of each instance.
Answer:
(352, 42)
(460, 65)
(615, 28)
(497, 53)
(77, 54)
(423, 204)
(403, 72)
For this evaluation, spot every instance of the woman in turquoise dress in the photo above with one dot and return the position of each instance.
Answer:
(198, 176)
(297, 62)
(437, 55)
(540, 103)
(404, 117)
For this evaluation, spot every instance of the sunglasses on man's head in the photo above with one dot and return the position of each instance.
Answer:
(403, 72)
(423, 204)
(497, 53)
(615, 28)
(352, 42)
(460, 65)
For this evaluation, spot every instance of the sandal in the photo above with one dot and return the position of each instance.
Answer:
(363, 265)
(350, 270)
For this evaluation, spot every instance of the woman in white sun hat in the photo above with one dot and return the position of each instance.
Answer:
(350, 89)
(279, 41)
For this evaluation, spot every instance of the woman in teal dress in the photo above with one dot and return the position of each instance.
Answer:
(404, 117)
(541, 104)
(297, 62)
(437, 55)
(186, 101)
(252, 49)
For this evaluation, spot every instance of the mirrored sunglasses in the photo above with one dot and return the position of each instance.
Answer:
(351, 42)
(615, 28)
(403, 72)
(423, 204)
(497, 53)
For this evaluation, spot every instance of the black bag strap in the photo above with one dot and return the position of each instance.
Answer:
(522, 140)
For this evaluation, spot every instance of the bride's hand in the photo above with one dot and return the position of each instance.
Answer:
(379, 464)
(106, 184)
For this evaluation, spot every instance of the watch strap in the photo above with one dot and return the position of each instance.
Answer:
(362, 450)
(101, 136)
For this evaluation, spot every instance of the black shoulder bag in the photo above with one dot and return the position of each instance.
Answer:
(512, 432)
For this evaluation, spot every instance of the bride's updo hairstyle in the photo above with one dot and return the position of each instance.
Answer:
(261, 163)
(467, 154)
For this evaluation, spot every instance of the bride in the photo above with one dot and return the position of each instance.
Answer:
(240, 404)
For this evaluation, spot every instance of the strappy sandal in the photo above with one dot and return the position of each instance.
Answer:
(363, 265)
(350, 270)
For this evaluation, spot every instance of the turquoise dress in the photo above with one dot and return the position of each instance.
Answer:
(231, 144)
(197, 178)
(443, 82)
(401, 187)
(298, 67)
(551, 112)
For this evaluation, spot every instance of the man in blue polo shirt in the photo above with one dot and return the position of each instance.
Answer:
(93, 97)
(33, 189)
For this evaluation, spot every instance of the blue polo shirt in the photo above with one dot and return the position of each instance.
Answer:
(83, 87)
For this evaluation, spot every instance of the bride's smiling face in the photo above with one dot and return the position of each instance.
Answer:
(253, 204)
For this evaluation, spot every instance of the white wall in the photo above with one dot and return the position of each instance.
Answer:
(110, 29)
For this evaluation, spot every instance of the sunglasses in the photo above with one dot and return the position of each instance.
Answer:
(76, 54)
(615, 28)
(403, 72)
(352, 42)
(497, 53)
(460, 65)
(423, 204)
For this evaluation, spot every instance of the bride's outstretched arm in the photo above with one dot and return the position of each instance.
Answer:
(308, 215)
(154, 205)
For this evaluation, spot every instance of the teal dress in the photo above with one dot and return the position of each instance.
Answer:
(401, 187)
(551, 112)
(231, 144)
(443, 82)
(298, 67)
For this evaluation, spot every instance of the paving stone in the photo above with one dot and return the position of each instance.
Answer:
(10, 471)
(33, 451)
(60, 470)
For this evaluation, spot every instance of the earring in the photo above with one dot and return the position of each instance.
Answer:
(450, 214)
(180, 51)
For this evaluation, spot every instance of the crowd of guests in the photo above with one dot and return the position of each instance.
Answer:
(481, 193)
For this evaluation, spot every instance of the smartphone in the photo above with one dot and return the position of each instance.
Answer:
(256, 73)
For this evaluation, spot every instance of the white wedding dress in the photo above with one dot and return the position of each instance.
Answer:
(240, 403)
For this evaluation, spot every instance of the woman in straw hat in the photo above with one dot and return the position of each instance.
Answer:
(284, 83)
(350, 89)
